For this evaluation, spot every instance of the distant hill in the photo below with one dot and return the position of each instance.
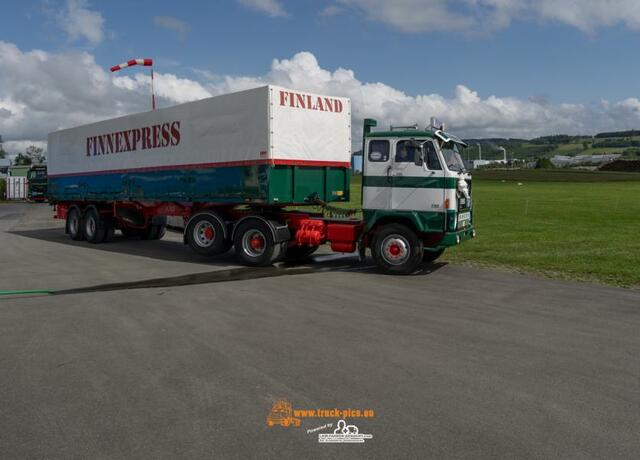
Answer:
(626, 143)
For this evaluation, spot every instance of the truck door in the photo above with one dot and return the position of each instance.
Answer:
(377, 175)
(417, 187)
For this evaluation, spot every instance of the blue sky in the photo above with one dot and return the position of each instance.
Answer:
(516, 50)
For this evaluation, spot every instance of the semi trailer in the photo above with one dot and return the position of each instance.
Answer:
(242, 169)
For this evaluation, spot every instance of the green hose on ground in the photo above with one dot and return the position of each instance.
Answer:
(32, 291)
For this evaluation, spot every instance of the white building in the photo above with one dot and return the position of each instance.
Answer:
(564, 160)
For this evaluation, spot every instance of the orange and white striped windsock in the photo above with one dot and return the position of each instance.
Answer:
(145, 62)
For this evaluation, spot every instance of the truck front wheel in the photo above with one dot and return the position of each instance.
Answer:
(397, 249)
(254, 243)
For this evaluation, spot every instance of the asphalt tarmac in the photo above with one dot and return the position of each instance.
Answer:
(151, 351)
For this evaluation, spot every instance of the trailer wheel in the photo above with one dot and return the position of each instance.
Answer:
(74, 224)
(110, 228)
(205, 235)
(398, 250)
(431, 256)
(299, 253)
(254, 244)
(154, 232)
(94, 226)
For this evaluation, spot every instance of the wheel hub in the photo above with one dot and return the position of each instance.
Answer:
(395, 249)
(208, 233)
(257, 243)
(254, 243)
(204, 234)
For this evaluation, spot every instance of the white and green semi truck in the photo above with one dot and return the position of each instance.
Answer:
(241, 168)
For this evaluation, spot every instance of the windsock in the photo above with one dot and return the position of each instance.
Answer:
(147, 62)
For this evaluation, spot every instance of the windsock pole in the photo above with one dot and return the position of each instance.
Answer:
(153, 96)
(147, 62)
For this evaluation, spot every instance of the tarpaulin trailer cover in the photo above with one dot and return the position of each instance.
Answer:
(268, 144)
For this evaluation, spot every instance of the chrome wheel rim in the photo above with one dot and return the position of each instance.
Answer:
(254, 243)
(204, 234)
(395, 249)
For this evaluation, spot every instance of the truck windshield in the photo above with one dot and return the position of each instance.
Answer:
(452, 157)
(37, 174)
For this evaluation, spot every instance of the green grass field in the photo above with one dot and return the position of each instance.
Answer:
(583, 231)
(587, 230)
(555, 175)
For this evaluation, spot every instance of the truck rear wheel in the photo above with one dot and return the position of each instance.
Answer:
(94, 226)
(255, 245)
(397, 249)
(74, 224)
(205, 235)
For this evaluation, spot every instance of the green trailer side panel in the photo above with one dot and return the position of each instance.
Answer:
(280, 184)
(295, 184)
(337, 184)
(307, 181)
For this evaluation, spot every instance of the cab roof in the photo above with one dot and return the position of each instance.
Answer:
(402, 133)
(444, 136)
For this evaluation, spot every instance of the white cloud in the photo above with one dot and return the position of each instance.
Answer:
(39, 94)
(81, 22)
(470, 16)
(176, 25)
(15, 147)
(167, 86)
(272, 8)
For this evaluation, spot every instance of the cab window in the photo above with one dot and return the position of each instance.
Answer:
(379, 151)
(405, 152)
(433, 162)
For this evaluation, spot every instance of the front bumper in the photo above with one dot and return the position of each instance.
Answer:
(454, 238)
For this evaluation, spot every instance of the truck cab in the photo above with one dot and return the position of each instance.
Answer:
(416, 194)
(37, 177)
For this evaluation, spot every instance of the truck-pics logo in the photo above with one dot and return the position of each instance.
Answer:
(282, 414)
(148, 137)
(309, 102)
(344, 434)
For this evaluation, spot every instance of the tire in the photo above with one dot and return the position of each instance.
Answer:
(299, 253)
(431, 256)
(156, 229)
(74, 224)
(94, 226)
(397, 249)
(205, 235)
(154, 232)
(254, 244)
(110, 229)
